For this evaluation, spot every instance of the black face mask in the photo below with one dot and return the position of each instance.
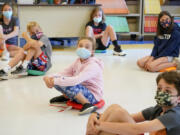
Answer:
(37, 36)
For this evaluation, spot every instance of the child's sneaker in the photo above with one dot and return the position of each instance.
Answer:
(119, 52)
(20, 71)
(87, 108)
(59, 99)
(3, 75)
(5, 56)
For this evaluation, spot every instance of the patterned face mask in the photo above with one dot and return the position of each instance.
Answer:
(165, 24)
(37, 36)
(163, 98)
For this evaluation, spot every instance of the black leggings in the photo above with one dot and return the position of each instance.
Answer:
(100, 45)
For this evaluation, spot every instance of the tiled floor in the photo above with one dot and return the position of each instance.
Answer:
(24, 102)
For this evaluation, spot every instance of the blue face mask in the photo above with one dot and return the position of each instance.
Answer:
(83, 53)
(7, 14)
(97, 19)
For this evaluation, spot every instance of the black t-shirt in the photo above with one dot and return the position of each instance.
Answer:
(97, 29)
(170, 119)
(7, 29)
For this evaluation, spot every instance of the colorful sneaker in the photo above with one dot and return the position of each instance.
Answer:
(119, 52)
(59, 99)
(87, 108)
(20, 71)
(5, 56)
(3, 75)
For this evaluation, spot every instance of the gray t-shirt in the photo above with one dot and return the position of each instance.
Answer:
(7, 29)
(47, 49)
(170, 119)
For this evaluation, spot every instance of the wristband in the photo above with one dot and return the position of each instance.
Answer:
(98, 115)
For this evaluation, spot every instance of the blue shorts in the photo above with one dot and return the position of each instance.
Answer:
(40, 63)
(72, 91)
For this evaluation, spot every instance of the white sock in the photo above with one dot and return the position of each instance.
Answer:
(7, 68)
(25, 64)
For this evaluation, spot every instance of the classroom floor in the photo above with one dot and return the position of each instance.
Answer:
(24, 102)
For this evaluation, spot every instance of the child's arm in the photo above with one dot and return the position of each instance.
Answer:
(138, 117)
(155, 48)
(12, 34)
(130, 129)
(99, 35)
(66, 72)
(49, 81)
(172, 46)
(90, 71)
(31, 43)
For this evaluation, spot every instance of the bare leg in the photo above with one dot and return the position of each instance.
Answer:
(90, 33)
(115, 113)
(141, 62)
(2, 45)
(108, 34)
(30, 54)
(159, 64)
(18, 57)
(13, 50)
(35, 47)
(80, 97)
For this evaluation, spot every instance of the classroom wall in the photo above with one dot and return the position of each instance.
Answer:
(56, 21)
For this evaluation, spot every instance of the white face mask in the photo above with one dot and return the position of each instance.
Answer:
(97, 19)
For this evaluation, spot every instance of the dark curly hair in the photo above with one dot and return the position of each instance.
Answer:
(171, 77)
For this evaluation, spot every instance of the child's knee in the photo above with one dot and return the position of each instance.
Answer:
(117, 110)
(114, 106)
(109, 27)
(1, 28)
(89, 28)
(21, 51)
(138, 63)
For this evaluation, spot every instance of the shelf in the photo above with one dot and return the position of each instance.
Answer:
(151, 14)
(176, 15)
(126, 15)
(149, 34)
(128, 33)
(67, 5)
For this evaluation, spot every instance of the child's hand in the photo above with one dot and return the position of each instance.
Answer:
(3, 37)
(25, 35)
(92, 123)
(49, 81)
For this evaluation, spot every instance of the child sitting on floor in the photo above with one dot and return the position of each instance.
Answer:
(162, 119)
(166, 45)
(81, 82)
(35, 55)
(97, 29)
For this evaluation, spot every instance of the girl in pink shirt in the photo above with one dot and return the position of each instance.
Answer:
(82, 81)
